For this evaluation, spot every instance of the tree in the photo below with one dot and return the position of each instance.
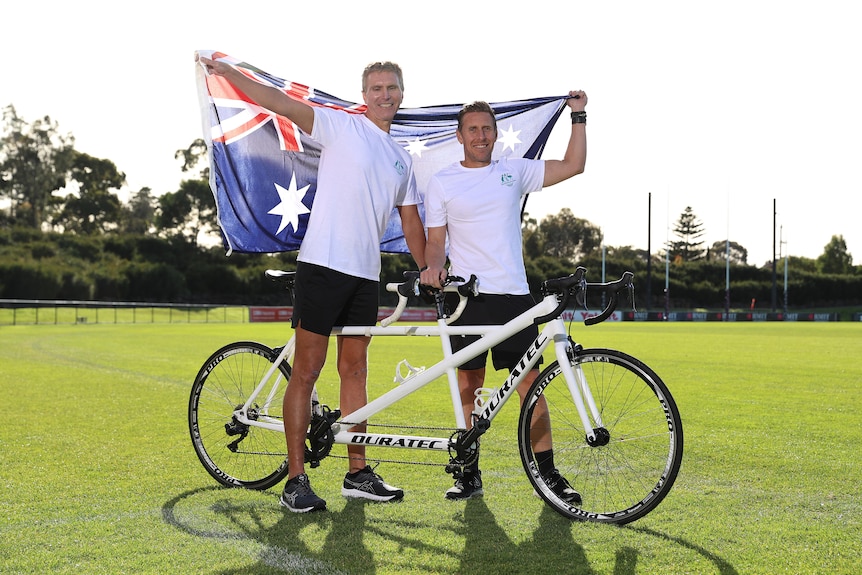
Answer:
(35, 163)
(533, 245)
(835, 259)
(567, 237)
(688, 229)
(194, 155)
(719, 251)
(626, 253)
(138, 215)
(190, 211)
(798, 264)
(95, 208)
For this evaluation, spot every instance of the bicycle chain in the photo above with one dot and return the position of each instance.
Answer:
(390, 426)
(400, 461)
(377, 460)
(341, 422)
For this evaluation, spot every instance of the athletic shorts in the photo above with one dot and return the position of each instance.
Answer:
(494, 309)
(325, 298)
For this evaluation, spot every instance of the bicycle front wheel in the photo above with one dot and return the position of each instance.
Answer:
(631, 467)
(239, 454)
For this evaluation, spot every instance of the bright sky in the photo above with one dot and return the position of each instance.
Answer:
(724, 107)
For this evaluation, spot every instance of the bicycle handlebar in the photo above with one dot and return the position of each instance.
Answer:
(562, 287)
(410, 286)
(612, 289)
(575, 284)
(565, 287)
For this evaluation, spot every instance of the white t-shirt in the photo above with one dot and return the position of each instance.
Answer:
(362, 175)
(481, 208)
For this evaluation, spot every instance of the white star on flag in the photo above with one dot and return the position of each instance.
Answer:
(290, 207)
(509, 138)
(416, 147)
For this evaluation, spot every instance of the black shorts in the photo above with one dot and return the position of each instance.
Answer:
(493, 309)
(325, 298)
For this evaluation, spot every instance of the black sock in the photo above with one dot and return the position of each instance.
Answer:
(545, 461)
(357, 472)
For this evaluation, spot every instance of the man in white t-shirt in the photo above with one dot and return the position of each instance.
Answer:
(477, 202)
(362, 175)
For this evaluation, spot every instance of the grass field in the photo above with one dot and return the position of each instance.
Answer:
(98, 475)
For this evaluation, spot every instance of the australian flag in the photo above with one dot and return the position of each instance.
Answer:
(263, 169)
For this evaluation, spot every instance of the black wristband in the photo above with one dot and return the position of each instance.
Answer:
(423, 268)
(579, 117)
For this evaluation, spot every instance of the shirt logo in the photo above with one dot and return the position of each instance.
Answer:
(507, 179)
(400, 168)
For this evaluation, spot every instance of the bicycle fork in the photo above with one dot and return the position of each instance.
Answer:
(576, 381)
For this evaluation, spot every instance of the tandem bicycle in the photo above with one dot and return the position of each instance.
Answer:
(617, 431)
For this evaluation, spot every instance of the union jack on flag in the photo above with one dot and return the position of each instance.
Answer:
(263, 169)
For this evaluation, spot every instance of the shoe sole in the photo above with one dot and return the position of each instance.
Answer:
(357, 494)
(317, 507)
(477, 493)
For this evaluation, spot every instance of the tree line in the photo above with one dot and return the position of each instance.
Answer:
(65, 234)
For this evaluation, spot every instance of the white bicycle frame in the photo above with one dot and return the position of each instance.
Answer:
(487, 406)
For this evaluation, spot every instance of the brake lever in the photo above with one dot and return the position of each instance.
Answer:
(581, 293)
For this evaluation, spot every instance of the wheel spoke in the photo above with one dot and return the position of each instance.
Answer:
(629, 476)
(234, 453)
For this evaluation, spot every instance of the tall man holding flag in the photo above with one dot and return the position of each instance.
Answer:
(363, 174)
(477, 203)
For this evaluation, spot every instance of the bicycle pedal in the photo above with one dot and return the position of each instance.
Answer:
(456, 470)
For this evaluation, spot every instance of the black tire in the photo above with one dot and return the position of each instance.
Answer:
(238, 455)
(626, 478)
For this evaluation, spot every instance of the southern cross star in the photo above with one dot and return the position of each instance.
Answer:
(509, 138)
(416, 146)
(290, 207)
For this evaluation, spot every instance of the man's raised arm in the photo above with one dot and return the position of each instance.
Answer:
(268, 97)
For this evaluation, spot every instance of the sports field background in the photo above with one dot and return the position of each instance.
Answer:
(97, 472)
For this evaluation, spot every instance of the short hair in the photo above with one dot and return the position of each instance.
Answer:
(477, 106)
(382, 67)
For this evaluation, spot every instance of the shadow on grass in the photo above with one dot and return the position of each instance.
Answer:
(551, 550)
(212, 512)
(724, 568)
(283, 549)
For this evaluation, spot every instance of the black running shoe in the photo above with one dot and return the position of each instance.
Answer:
(299, 497)
(466, 487)
(559, 485)
(365, 484)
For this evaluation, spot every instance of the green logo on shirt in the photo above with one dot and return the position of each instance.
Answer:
(507, 179)
(400, 168)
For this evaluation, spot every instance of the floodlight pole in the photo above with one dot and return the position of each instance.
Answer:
(774, 263)
(667, 263)
(783, 248)
(726, 278)
(727, 266)
(649, 253)
(666, 282)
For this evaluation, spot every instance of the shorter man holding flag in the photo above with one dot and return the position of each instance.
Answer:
(477, 203)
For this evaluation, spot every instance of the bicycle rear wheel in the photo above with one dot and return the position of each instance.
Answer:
(625, 477)
(234, 453)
